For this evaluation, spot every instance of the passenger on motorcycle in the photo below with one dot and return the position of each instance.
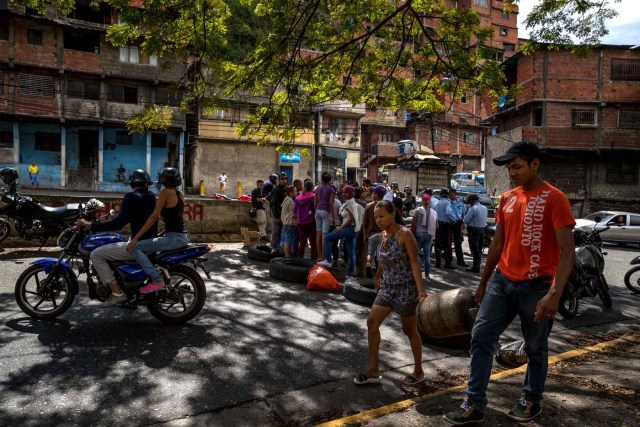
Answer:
(170, 205)
(135, 209)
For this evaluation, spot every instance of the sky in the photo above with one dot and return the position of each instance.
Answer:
(624, 29)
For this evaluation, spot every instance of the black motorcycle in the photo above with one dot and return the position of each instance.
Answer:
(632, 278)
(32, 219)
(587, 277)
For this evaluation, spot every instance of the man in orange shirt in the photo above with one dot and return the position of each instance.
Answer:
(533, 250)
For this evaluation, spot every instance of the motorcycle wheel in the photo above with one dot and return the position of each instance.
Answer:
(52, 302)
(5, 229)
(184, 298)
(632, 280)
(569, 304)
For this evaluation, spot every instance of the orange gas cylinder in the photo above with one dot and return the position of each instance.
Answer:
(447, 314)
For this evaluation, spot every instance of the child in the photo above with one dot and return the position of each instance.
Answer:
(289, 220)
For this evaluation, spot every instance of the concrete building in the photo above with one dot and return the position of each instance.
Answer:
(66, 93)
(584, 112)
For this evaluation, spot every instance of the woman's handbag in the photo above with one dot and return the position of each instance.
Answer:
(253, 212)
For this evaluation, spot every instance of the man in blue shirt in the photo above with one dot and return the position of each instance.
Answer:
(446, 217)
(456, 226)
(476, 221)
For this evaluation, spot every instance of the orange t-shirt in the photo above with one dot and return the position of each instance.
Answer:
(529, 220)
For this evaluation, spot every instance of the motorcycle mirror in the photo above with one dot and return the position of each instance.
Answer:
(597, 219)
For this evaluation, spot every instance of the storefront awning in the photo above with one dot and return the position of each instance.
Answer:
(336, 153)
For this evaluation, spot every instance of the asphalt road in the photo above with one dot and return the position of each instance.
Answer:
(255, 338)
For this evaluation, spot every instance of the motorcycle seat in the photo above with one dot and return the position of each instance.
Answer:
(156, 255)
(61, 211)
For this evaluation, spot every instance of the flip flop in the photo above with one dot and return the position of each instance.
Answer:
(412, 380)
(362, 379)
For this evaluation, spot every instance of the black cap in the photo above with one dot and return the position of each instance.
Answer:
(473, 196)
(283, 175)
(522, 148)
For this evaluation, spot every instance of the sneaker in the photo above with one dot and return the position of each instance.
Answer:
(324, 263)
(153, 287)
(525, 410)
(115, 300)
(465, 414)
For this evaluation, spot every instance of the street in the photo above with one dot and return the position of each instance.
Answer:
(255, 340)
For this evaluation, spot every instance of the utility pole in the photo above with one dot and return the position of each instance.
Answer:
(433, 138)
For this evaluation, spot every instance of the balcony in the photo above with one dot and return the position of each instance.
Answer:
(226, 130)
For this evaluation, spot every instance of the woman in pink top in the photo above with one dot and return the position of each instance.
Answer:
(305, 210)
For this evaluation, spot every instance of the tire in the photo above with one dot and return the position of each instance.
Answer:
(359, 294)
(60, 286)
(5, 229)
(164, 310)
(294, 270)
(262, 253)
(459, 342)
(632, 279)
(569, 305)
(603, 293)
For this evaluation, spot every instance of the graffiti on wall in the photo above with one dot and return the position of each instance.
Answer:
(192, 211)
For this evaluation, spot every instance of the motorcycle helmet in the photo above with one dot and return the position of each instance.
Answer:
(579, 237)
(273, 178)
(138, 178)
(170, 177)
(9, 175)
(407, 188)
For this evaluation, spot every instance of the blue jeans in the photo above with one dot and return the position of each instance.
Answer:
(349, 235)
(424, 243)
(164, 243)
(504, 300)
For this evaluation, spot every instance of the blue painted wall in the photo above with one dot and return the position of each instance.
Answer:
(48, 175)
(28, 152)
(131, 156)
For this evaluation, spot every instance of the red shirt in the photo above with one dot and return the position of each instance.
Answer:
(529, 220)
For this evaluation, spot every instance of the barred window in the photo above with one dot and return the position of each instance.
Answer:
(124, 138)
(629, 119)
(6, 138)
(483, 3)
(470, 138)
(83, 89)
(625, 69)
(583, 117)
(128, 95)
(620, 172)
(35, 85)
(47, 141)
(386, 137)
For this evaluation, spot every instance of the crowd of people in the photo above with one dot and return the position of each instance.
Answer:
(336, 221)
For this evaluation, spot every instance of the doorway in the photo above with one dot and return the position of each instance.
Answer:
(88, 150)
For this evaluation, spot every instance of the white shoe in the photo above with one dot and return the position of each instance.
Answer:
(324, 263)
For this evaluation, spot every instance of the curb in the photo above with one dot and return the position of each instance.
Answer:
(405, 404)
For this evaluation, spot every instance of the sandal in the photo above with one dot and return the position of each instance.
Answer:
(361, 379)
(412, 380)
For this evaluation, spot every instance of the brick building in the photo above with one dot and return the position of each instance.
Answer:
(65, 94)
(584, 112)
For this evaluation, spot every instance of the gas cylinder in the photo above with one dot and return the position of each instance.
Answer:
(447, 314)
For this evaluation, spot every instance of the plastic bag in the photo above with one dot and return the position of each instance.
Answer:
(319, 279)
(512, 355)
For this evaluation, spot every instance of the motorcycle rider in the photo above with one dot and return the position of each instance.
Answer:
(533, 249)
(409, 201)
(136, 207)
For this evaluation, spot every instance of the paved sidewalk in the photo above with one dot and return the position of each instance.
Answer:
(596, 384)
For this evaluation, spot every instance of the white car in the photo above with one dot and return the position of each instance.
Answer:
(624, 227)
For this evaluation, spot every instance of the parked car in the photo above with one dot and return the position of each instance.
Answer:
(624, 227)
(467, 181)
(484, 199)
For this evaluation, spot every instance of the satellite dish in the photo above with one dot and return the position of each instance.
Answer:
(502, 101)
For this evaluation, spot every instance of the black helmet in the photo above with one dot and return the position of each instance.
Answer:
(273, 178)
(444, 192)
(170, 177)
(579, 237)
(138, 178)
(407, 188)
(9, 175)
(394, 185)
(473, 197)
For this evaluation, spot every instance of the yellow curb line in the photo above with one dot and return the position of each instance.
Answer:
(405, 404)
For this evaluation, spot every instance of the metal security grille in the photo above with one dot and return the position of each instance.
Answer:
(629, 119)
(625, 69)
(583, 117)
(35, 85)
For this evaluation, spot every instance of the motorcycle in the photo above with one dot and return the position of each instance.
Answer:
(632, 277)
(48, 287)
(587, 276)
(32, 219)
(489, 233)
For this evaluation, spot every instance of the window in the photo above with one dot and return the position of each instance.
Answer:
(1, 83)
(437, 134)
(129, 54)
(84, 41)
(128, 95)
(159, 140)
(34, 37)
(537, 117)
(337, 124)
(505, 15)
(625, 69)
(503, 31)
(498, 56)
(509, 47)
(4, 27)
(483, 3)
(470, 138)
(620, 172)
(346, 81)
(6, 138)
(583, 117)
(634, 220)
(35, 85)
(629, 119)
(386, 137)
(417, 73)
(124, 138)
(46, 141)
(83, 89)
(168, 97)
(463, 99)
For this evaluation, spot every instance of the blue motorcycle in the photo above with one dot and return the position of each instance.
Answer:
(48, 287)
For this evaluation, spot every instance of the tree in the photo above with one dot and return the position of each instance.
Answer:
(388, 53)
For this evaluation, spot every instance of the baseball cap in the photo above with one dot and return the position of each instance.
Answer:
(522, 148)
(379, 190)
(426, 198)
(283, 175)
